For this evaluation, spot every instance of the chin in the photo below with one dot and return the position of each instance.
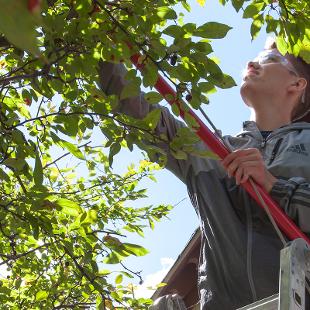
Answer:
(247, 91)
(244, 86)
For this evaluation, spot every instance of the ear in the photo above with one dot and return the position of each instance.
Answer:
(298, 85)
(302, 84)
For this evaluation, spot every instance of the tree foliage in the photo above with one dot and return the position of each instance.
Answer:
(63, 211)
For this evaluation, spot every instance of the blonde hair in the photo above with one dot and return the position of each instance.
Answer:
(302, 111)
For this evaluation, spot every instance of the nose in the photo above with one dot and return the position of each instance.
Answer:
(253, 64)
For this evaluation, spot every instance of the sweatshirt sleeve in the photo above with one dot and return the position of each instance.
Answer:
(293, 196)
(112, 81)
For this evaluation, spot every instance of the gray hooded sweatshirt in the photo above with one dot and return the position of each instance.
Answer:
(239, 257)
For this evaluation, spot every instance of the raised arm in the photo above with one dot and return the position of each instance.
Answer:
(112, 81)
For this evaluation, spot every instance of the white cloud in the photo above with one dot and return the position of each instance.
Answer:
(153, 279)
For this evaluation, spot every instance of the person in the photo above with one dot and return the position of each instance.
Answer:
(239, 257)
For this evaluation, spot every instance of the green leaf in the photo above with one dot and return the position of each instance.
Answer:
(212, 30)
(73, 149)
(256, 27)
(41, 295)
(26, 94)
(179, 154)
(282, 45)
(305, 55)
(165, 12)
(19, 25)
(207, 87)
(150, 76)
(170, 98)
(152, 118)
(153, 97)
(127, 274)
(189, 28)
(119, 279)
(237, 4)
(253, 9)
(186, 6)
(112, 258)
(114, 149)
(16, 164)
(151, 224)
(135, 249)
(222, 81)
(70, 124)
(175, 109)
(69, 207)
(272, 24)
(130, 90)
(5, 291)
(174, 31)
(204, 47)
(38, 171)
(104, 272)
(204, 154)
(35, 229)
(190, 121)
(24, 111)
(4, 176)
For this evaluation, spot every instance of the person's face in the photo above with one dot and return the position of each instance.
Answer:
(269, 74)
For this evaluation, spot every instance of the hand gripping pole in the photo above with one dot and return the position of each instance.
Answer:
(287, 226)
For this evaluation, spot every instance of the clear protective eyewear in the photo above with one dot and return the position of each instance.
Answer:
(267, 57)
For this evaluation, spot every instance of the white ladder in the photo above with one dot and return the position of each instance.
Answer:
(294, 281)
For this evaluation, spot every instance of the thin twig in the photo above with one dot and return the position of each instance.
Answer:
(64, 155)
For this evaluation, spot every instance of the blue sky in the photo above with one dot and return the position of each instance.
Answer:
(226, 110)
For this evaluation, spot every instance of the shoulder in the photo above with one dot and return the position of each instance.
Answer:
(250, 136)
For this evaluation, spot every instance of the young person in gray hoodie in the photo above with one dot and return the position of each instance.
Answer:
(239, 257)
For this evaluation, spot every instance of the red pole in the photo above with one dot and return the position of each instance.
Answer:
(211, 140)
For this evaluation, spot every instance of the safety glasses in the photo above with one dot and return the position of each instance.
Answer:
(267, 57)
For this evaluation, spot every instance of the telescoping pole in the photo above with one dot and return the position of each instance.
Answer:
(211, 140)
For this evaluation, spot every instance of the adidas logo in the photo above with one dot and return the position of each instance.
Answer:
(298, 148)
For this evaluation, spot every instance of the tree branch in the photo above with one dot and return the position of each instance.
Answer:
(64, 155)
(15, 257)
(80, 305)
(88, 114)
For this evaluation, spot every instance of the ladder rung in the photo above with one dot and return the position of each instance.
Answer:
(268, 303)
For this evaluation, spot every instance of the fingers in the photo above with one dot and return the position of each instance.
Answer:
(243, 164)
(237, 158)
(243, 172)
(244, 178)
(240, 155)
(239, 175)
(248, 163)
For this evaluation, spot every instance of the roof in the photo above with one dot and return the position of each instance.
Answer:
(182, 277)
